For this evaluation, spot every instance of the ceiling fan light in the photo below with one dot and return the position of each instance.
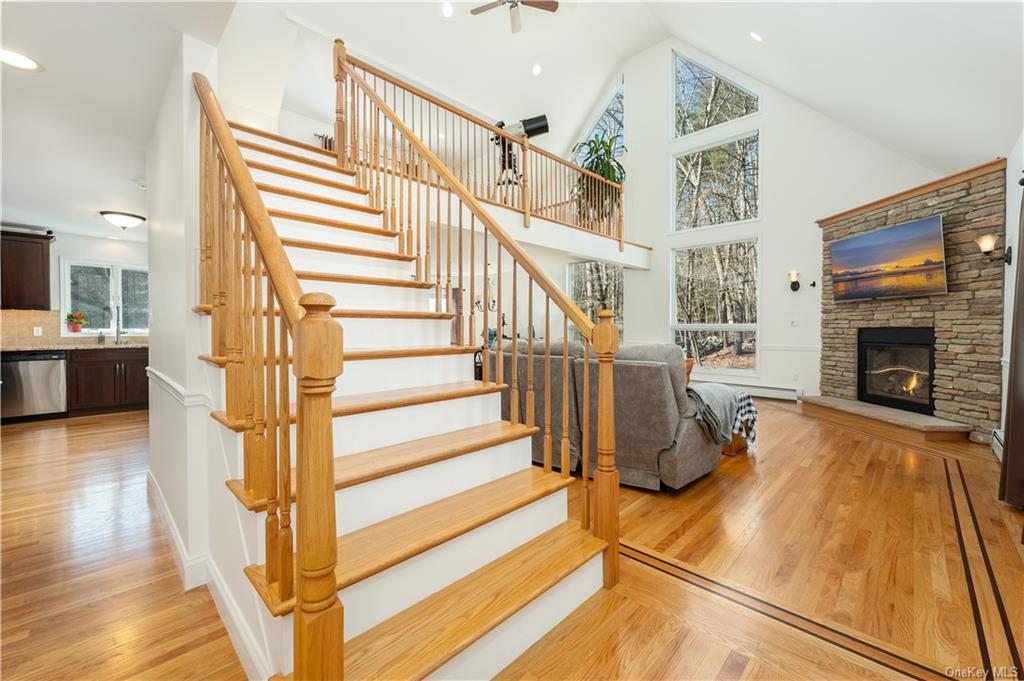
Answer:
(515, 19)
(122, 219)
(447, 9)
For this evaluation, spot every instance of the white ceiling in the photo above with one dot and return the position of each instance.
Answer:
(74, 135)
(939, 82)
(476, 60)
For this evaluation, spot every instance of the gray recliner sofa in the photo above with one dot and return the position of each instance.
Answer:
(657, 439)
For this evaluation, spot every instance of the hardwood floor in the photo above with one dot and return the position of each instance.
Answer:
(90, 589)
(857, 540)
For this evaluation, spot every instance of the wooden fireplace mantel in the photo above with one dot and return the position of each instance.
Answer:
(977, 171)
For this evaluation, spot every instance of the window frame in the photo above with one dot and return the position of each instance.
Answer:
(594, 118)
(701, 62)
(116, 268)
(568, 288)
(675, 325)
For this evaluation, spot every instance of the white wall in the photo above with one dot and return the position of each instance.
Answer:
(78, 247)
(177, 414)
(811, 166)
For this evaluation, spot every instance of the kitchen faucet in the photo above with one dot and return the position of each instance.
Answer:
(117, 329)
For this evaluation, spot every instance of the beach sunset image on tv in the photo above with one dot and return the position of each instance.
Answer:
(905, 260)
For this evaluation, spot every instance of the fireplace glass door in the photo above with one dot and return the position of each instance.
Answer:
(896, 368)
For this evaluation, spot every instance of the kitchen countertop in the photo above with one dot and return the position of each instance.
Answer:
(89, 346)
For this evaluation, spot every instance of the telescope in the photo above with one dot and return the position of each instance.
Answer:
(531, 127)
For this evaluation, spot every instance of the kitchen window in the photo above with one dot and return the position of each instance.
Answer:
(104, 290)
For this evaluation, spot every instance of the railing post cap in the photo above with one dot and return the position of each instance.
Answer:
(606, 334)
(317, 302)
(605, 314)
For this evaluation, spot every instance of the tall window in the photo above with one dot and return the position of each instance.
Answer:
(101, 290)
(716, 304)
(704, 99)
(596, 286)
(609, 125)
(718, 185)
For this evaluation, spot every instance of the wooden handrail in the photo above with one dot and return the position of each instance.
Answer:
(582, 322)
(279, 268)
(406, 85)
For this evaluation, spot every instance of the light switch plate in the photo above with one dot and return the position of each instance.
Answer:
(37, 331)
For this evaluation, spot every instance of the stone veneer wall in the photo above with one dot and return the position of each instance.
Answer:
(968, 320)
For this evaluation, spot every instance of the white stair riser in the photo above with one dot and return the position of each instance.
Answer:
(377, 500)
(372, 296)
(281, 180)
(296, 229)
(486, 657)
(359, 432)
(297, 166)
(283, 146)
(373, 600)
(281, 202)
(373, 375)
(381, 333)
(344, 263)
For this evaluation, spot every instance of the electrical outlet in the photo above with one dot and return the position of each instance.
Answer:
(37, 331)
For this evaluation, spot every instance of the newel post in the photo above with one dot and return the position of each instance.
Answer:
(525, 189)
(606, 475)
(318, 615)
(341, 118)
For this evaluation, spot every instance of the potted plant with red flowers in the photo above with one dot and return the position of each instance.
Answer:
(75, 321)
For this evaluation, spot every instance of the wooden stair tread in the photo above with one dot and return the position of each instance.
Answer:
(372, 464)
(377, 547)
(280, 138)
(316, 198)
(360, 279)
(348, 405)
(361, 314)
(327, 222)
(298, 158)
(316, 179)
(419, 640)
(363, 403)
(346, 250)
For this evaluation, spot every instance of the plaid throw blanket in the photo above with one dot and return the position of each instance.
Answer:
(746, 417)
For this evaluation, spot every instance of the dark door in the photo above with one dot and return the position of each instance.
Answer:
(24, 271)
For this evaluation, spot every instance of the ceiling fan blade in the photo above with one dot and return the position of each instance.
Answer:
(517, 22)
(483, 8)
(546, 5)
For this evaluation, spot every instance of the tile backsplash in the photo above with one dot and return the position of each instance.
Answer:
(16, 331)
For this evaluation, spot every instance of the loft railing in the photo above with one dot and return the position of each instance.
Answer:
(499, 168)
(435, 214)
(258, 310)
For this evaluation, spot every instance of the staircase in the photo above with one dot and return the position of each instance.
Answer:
(379, 472)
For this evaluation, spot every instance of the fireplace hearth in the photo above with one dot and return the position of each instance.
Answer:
(896, 367)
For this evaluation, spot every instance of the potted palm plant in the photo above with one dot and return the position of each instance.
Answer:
(598, 156)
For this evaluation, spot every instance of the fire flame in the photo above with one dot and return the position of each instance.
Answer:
(911, 386)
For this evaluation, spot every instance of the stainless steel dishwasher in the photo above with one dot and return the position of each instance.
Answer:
(34, 384)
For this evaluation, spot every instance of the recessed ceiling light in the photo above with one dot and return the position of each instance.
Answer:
(18, 60)
(757, 37)
(121, 219)
(447, 9)
(536, 69)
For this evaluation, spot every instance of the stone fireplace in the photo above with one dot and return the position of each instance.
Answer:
(861, 361)
(896, 367)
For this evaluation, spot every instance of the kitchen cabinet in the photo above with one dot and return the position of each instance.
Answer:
(111, 379)
(25, 271)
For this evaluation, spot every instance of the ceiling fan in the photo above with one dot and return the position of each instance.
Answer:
(513, 9)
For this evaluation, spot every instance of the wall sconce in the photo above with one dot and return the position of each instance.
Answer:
(987, 244)
(794, 281)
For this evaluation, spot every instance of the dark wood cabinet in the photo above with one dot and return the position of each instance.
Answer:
(25, 271)
(111, 379)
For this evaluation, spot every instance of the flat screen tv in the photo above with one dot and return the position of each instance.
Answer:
(899, 261)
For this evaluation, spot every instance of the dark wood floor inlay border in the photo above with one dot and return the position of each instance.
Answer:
(840, 639)
(1003, 616)
(975, 609)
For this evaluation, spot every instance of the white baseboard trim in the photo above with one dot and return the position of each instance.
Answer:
(193, 568)
(250, 653)
(997, 443)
